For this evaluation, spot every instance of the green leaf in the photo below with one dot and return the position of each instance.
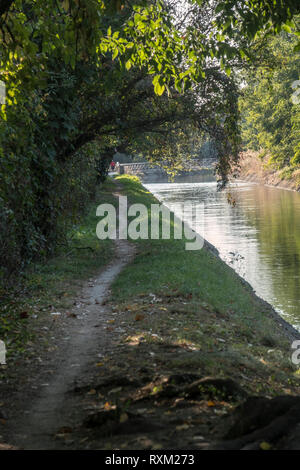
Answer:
(297, 47)
(116, 52)
(159, 89)
(220, 7)
(286, 28)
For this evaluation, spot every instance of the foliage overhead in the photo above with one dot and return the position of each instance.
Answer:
(270, 105)
(144, 76)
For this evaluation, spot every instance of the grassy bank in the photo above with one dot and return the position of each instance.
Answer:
(193, 300)
(183, 342)
(189, 346)
(50, 286)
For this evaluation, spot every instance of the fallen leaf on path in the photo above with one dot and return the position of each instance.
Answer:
(71, 314)
(65, 430)
(265, 446)
(139, 317)
(123, 418)
(7, 447)
(115, 390)
(182, 427)
(157, 447)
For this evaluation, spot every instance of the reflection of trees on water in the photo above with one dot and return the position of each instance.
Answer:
(275, 214)
(263, 226)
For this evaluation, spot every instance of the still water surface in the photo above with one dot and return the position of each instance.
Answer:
(259, 236)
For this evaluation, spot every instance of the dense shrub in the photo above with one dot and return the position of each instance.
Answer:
(41, 193)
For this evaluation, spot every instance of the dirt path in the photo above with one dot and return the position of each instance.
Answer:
(86, 342)
(116, 375)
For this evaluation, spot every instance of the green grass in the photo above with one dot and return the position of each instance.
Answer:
(164, 266)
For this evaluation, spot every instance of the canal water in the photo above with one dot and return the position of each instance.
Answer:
(257, 233)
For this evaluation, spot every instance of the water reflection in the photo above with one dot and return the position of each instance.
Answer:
(259, 236)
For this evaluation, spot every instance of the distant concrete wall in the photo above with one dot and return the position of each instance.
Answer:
(139, 169)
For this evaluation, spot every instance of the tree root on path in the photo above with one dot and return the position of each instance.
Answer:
(264, 423)
(120, 422)
(207, 387)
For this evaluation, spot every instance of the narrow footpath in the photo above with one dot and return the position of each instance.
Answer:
(85, 341)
